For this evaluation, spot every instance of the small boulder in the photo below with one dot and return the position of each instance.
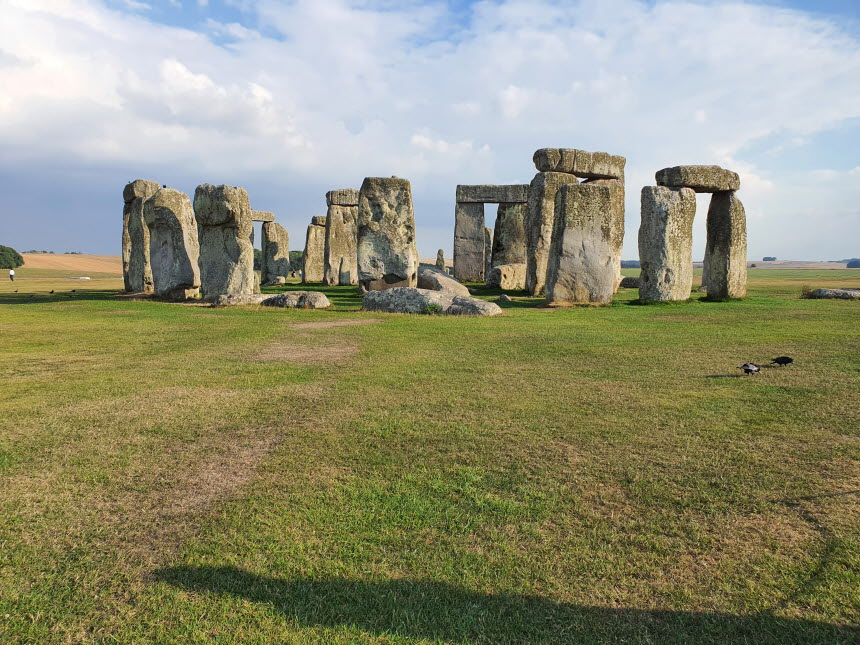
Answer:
(504, 298)
(509, 277)
(435, 280)
(409, 300)
(630, 282)
(837, 294)
(298, 300)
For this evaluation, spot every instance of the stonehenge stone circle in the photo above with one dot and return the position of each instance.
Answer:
(409, 300)
(541, 219)
(387, 254)
(440, 260)
(173, 247)
(436, 280)
(666, 243)
(726, 248)
(340, 259)
(509, 234)
(509, 277)
(581, 261)
(224, 228)
(313, 259)
(584, 164)
(275, 257)
(137, 273)
(702, 179)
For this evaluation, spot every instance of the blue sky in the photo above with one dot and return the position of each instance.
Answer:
(291, 99)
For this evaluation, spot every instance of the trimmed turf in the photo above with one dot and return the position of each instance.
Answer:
(174, 473)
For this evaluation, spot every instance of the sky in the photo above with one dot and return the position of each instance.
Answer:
(290, 99)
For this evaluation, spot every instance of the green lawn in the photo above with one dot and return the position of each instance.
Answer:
(177, 473)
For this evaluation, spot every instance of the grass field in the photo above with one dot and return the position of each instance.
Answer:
(175, 473)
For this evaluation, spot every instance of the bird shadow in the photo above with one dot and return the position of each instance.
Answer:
(725, 376)
(441, 612)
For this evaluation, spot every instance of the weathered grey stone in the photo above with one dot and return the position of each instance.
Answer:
(298, 300)
(666, 243)
(173, 247)
(510, 277)
(387, 254)
(493, 194)
(437, 280)
(539, 225)
(262, 216)
(440, 261)
(342, 197)
(630, 282)
(616, 205)
(488, 250)
(589, 165)
(469, 242)
(509, 235)
(235, 300)
(224, 228)
(504, 298)
(702, 179)
(275, 256)
(340, 262)
(725, 270)
(581, 262)
(137, 273)
(836, 294)
(409, 300)
(313, 259)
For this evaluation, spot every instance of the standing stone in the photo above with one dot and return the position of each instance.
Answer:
(440, 260)
(469, 240)
(616, 207)
(387, 254)
(224, 229)
(313, 259)
(173, 247)
(541, 216)
(666, 243)
(126, 246)
(138, 275)
(581, 262)
(726, 248)
(275, 258)
(340, 264)
(509, 234)
(488, 250)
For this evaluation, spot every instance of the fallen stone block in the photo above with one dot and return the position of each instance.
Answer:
(409, 300)
(434, 279)
(702, 179)
(630, 282)
(835, 294)
(298, 300)
(510, 277)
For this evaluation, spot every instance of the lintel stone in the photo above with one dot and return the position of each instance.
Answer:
(493, 194)
(584, 164)
(262, 216)
(342, 197)
(702, 179)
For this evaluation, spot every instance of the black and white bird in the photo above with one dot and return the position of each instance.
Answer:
(782, 360)
(750, 368)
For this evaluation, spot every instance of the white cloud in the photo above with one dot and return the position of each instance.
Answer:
(348, 89)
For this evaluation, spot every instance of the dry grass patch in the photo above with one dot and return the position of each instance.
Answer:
(328, 324)
(293, 352)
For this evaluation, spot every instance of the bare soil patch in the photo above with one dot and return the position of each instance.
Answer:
(328, 324)
(308, 354)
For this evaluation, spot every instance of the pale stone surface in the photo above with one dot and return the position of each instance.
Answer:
(298, 300)
(241, 299)
(588, 165)
(504, 298)
(666, 243)
(340, 258)
(387, 254)
(342, 197)
(837, 294)
(510, 277)
(138, 276)
(126, 247)
(488, 250)
(409, 300)
(173, 247)
(224, 228)
(469, 242)
(313, 259)
(509, 234)
(438, 280)
(275, 257)
(262, 216)
(725, 270)
(581, 262)
(539, 225)
(491, 194)
(702, 179)
(616, 238)
(630, 282)
(440, 260)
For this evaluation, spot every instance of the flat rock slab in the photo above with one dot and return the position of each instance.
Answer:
(837, 294)
(508, 277)
(588, 165)
(409, 300)
(702, 179)
(342, 197)
(434, 279)
(288, 299)
(262, 216)
(492, 194)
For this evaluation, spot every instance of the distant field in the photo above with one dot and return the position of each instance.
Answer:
(82, 264)
(174, 474)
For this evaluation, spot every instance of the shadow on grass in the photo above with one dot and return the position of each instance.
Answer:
(724, 376)
(442, 612)
(42, 297)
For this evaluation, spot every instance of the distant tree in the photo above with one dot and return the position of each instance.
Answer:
(854, 264)
(10, 258)
(769, 258)
(630, 264)
(258, 259)
(296, 260)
